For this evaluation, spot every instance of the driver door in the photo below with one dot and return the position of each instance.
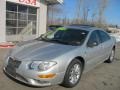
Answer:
(93, 50)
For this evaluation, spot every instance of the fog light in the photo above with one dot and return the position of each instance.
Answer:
(47, 76)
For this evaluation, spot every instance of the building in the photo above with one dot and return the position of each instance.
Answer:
(23, 19)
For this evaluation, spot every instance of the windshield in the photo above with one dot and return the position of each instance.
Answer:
(66, 36)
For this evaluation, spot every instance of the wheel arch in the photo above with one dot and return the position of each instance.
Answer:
(82, 61)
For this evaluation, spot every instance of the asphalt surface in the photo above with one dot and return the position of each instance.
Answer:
(103, 77)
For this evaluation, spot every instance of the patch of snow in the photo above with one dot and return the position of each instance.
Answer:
(117, 36)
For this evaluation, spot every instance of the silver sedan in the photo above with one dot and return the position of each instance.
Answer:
(60, 57)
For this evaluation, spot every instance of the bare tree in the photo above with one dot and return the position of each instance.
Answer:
(82, 11)
(93, 17)
(102, 6)
(78, 10)
(94, 13)
(85, 14)
(53, 12)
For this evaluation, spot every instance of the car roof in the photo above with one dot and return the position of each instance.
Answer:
(84, 27)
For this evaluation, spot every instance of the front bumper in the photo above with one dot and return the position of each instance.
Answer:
(36, 82)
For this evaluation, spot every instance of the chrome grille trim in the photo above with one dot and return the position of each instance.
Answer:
(13, 62)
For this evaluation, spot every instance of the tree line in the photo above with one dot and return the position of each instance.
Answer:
(84, 13)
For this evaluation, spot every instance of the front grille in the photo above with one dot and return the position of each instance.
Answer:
(14, 63)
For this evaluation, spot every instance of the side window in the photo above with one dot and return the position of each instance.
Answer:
(93, 39)
(104, 36)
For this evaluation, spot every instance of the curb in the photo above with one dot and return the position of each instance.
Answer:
(7, 45)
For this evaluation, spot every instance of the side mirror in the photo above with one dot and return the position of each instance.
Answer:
(92, 44)
(42, 35)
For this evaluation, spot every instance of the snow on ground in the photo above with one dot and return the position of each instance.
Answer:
(117, 36)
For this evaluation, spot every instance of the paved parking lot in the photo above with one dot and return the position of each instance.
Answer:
(103, 77)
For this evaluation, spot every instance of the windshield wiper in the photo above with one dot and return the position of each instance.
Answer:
(41, 39)
(58, 41)
(64, 42)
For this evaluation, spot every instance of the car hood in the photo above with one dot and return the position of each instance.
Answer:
(40, 50)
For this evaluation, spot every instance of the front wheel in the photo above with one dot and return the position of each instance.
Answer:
(73, 74)
(112, 56)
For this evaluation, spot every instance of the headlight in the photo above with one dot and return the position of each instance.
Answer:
(41, 65)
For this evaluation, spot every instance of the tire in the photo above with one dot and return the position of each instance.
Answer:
(111, 57)
(73, 76)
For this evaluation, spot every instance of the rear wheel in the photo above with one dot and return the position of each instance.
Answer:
(112, 56)
(73, 74)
